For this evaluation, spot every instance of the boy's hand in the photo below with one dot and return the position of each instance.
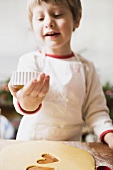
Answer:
(32, 94)
(108, 138)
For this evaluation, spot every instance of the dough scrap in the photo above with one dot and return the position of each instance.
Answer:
(26, 155)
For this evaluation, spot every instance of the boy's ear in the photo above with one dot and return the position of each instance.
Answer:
(77, 21)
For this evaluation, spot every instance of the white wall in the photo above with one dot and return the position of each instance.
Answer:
(93, 39)
(15, 36)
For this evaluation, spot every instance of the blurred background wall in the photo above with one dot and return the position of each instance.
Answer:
(93, 39)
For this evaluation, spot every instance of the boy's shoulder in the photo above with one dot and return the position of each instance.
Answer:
(28, 55)
(83, 59)
(88, 65)
(85, 62)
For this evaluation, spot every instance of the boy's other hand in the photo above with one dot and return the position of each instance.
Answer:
(108, 138)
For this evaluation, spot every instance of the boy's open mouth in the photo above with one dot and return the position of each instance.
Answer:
(52, 34)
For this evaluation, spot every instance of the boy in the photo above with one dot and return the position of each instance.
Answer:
(68, 92)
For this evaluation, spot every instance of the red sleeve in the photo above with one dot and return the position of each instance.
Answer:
(104, 133)
(29, 112)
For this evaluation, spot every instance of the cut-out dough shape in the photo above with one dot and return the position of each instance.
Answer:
(47, 159)
(25, 155)
(39, 168)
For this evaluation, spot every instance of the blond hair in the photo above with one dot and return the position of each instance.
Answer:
(74, 6)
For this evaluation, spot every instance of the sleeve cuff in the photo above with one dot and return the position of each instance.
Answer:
(103, 134)
(29, 112)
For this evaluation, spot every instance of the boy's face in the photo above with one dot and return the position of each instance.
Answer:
(53, 25)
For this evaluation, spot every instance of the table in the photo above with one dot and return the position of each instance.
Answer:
(101, 152)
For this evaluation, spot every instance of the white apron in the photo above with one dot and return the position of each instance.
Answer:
(60, 117)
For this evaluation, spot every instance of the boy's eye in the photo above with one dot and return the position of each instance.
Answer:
(57, 15)
(41, 19)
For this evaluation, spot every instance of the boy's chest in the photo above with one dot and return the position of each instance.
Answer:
(67, 82)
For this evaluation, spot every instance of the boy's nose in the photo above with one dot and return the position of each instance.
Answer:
(49, 23)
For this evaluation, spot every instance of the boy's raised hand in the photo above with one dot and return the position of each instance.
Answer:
(32, 94)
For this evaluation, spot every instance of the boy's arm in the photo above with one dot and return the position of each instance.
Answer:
(95, 111)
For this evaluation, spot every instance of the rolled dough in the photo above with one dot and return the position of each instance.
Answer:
(45, 155)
